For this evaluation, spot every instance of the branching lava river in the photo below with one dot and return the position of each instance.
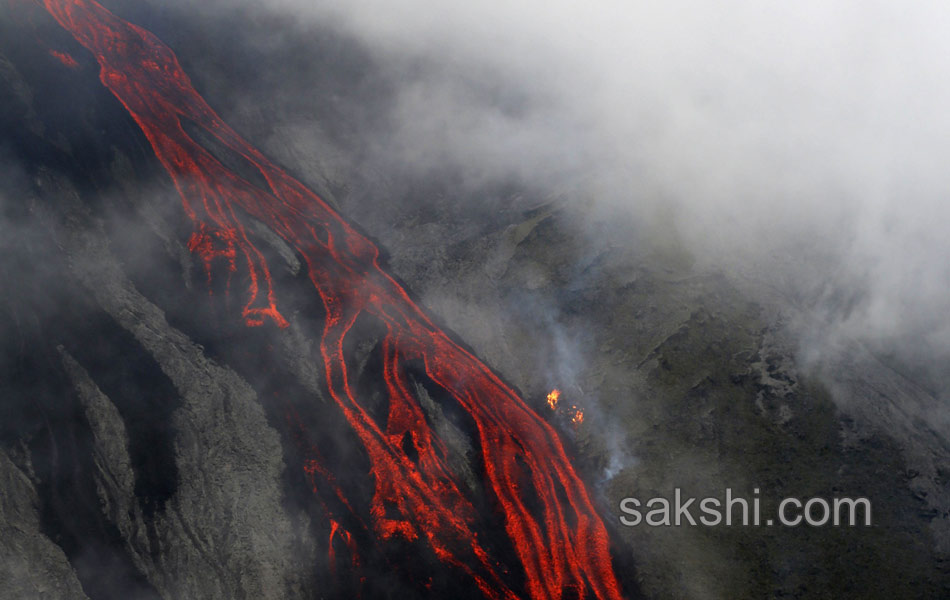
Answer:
(562, 544)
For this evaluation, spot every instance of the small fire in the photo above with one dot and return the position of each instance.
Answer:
(578, 417)
(577, 414)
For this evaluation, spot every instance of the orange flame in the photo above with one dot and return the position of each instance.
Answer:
(578, 417)
(553, 398)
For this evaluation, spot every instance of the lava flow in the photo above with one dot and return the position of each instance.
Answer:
(562, 544)
(64, 58)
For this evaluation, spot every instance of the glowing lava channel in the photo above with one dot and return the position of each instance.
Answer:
(64, 58)
(567, 547)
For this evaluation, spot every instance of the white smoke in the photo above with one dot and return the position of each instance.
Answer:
(803, 142)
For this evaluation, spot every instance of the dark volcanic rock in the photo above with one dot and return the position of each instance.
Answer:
(148, 440)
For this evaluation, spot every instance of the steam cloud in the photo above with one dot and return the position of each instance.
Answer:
(806, 141)
(800, 144)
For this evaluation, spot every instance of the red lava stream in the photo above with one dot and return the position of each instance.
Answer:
(565, 546)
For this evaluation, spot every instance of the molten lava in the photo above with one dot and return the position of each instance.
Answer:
(64, 58)
(561, 543)
(553, 397)
(578, 417)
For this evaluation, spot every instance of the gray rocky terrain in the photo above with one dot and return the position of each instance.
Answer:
(144, 452)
